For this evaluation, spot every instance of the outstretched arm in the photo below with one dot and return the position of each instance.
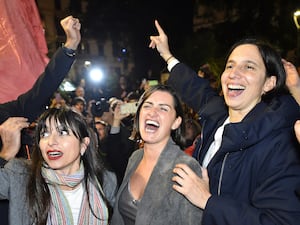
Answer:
(32, 103)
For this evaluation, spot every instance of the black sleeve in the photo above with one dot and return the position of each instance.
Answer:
(119, 148)
(2, 162)
(32, 103)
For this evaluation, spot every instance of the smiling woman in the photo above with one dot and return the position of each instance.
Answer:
(248, 146)
(146, 195)
(65, 182)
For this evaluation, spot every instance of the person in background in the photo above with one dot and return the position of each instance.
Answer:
(78, 104)
(31, 104)
(117, 145)
(65, 181)
(58, 100)
(248, 148)
(205, 72)
(146, 195)
(123, 87)
(102, 128)
(79, 92)
(193, 130)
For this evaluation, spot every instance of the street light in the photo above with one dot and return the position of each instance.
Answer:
(297, 23)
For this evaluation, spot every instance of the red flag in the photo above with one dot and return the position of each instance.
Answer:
(23, 47)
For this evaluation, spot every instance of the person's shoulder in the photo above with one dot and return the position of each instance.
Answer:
(190, 161)
(18, 165)
(109, 177)
(286, 106)
(187, 158)
(137, 153)
(283, 102)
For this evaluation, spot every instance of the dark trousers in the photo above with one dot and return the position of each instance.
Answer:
(4, 212)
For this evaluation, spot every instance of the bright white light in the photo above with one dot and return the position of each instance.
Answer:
(96, 74)
(87, 63)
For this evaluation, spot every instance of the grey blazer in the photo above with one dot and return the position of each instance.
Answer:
(13, 183)
(161, 204)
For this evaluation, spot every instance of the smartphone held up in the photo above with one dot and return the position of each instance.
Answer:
(128, 108)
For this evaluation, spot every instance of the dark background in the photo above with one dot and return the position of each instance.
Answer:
(132, 21)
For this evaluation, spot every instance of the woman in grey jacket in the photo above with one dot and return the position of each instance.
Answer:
(146, 195)
(65, 182)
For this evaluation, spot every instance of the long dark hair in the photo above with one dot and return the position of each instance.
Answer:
(37, 189)
(178, 135)
(272, 62)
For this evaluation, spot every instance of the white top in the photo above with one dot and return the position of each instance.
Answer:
(172, 63)
(74, 198)
(215, 145)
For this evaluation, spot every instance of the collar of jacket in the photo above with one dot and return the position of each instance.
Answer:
(280, 113)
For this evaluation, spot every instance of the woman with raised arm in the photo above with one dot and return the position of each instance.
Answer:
(247, 142)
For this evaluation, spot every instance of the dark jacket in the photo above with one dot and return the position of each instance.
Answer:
(255, 173)
(32, 103)
(117, 149)
(161, 204)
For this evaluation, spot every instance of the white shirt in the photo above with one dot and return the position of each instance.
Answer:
(215, 145)
(74, 198)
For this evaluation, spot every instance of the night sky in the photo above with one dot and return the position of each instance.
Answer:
(135, 18)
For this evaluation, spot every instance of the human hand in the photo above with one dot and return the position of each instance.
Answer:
(297, 130)
(71, 27)
(10, 132)
(118, 116)
(160, 42)
(193, 187)
(292, 79)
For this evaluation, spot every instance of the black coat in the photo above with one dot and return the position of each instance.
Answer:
(255, 173)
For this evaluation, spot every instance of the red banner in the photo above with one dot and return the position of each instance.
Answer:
(23, 47)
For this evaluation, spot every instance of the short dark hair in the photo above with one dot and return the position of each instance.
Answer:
(77, 100)
(272, 62)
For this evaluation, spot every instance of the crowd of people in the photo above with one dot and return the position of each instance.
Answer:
(236, 162)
